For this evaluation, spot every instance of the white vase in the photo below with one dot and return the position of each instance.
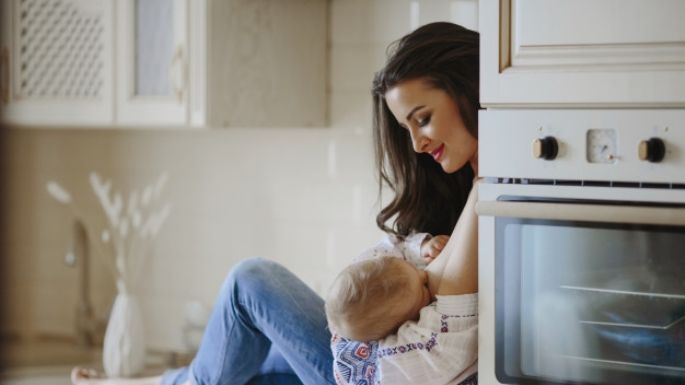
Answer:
(124, 346)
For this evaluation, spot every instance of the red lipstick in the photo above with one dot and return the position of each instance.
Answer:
(437, 153)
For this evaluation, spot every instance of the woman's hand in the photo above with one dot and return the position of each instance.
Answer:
(431, 248)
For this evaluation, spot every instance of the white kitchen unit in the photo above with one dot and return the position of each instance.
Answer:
(164, 63)
(152, 62)
(266, 64)
(582, 53)
(580, 268)
(582, 202)
(57, 62)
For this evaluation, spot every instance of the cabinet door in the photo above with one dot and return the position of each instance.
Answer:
(56, 62)
(600, 53)
(5, 44)
(152, 64)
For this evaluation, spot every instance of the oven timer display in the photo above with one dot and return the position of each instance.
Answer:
(601, 145)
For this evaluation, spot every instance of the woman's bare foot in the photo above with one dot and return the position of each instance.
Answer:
(84, 376)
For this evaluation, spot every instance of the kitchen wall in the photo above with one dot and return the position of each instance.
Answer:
(303, 197)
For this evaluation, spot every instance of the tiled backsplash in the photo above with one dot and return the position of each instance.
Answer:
(303, 197)
(299, 196)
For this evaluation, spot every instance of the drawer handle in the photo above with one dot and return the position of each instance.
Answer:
(583, 212)
(177, 74)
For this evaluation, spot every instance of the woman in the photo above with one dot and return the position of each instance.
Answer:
(425, 130)
(267, 326)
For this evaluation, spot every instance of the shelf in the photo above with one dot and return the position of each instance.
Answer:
(623, 365)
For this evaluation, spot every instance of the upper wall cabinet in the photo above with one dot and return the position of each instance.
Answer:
(56, 62)
(266, 64)
(164, 63)
(152, 62)
(599, 53)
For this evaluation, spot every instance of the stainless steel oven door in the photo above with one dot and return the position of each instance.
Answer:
(582, 289)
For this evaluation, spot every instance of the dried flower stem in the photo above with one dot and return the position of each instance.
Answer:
(129, 229)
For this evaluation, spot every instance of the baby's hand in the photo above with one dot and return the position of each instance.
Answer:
(433, 246)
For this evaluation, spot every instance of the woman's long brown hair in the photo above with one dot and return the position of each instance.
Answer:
(426, 198)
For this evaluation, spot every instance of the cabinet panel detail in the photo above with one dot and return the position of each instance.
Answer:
(60, 49)
(582, 53)
(592, 57)
(57, 62)
(597, 33)
(152, 62)
(260, 77)
(154, 41)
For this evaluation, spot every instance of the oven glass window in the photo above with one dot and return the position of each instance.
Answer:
(589, 303)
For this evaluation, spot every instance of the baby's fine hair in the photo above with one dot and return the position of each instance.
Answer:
(361, 302)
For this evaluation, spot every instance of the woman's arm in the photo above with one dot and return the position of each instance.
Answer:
(455, 270)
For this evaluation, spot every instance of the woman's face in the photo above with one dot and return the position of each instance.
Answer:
(433, 120)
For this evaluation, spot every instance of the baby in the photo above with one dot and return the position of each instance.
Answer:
(420, 326)
(372, 298)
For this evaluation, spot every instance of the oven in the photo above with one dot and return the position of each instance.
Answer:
(582, 246)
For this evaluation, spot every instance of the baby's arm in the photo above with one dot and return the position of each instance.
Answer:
(455, 270)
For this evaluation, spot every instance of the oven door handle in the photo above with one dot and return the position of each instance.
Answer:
(583, 212)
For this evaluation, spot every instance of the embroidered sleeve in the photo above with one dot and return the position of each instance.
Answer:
(408, 249)
(440, 348)
(354, 362)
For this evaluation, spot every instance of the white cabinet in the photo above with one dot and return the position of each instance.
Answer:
(598, 53)
(266, 64)
(57, 61)
(152, 62)
(164, 63)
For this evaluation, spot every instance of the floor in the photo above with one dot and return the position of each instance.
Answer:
(50, 361)
(49, 375)
(44, 361)
(47, 352)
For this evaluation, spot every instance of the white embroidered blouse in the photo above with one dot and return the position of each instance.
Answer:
(441, 348)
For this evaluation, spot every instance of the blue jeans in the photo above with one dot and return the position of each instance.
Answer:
(267, 327)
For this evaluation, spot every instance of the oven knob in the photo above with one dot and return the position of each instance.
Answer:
(545, 148)
(652, 150)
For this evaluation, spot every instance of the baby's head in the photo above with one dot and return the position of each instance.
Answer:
(372, 298)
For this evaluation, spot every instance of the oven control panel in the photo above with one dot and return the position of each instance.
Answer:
(583, 145)
(600, 145)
